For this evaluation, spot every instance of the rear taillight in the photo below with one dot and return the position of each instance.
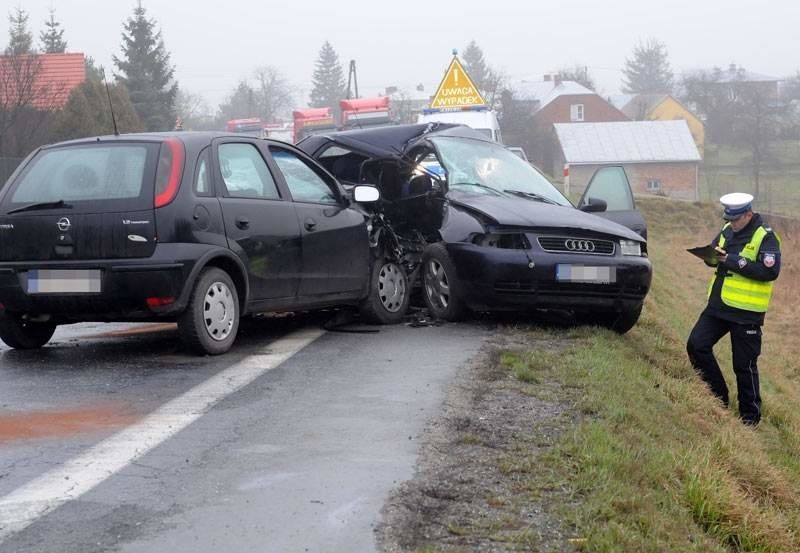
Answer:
(159, 301)
(170, 171)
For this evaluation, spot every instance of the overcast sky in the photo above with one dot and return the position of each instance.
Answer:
(214, 44)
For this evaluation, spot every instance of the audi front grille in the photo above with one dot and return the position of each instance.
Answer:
(566, 244)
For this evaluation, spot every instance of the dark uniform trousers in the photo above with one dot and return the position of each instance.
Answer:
(746, 347)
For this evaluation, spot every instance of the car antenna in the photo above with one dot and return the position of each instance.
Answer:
(110, 105)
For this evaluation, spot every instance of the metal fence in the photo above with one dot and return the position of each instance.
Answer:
(7, 166)
(778, 189)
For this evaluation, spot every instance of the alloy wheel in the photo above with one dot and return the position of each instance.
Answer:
(436, 284)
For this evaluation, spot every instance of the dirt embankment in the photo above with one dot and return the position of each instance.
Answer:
(470, 491)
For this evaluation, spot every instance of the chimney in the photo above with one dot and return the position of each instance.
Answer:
(548, 77)
(557, 79)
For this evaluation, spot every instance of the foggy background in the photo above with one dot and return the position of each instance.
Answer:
(215, 44)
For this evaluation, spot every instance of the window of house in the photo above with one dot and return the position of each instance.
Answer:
(654, 185)
(576, 112)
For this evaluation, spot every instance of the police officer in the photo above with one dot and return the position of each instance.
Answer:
(748, 260)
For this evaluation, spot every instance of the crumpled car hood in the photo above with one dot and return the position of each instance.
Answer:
(519, 212)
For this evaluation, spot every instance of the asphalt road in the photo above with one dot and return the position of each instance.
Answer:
(122, 441)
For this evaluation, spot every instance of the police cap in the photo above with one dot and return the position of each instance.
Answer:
(736, 204)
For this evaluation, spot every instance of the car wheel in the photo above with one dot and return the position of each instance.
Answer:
(389, 294)
(618, 321)
(441, 285)
(211, 320)
(21, 334)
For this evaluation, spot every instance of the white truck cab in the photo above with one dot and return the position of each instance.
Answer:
(481, 119)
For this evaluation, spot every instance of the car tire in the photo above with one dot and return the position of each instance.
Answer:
(211, 320)
(440, 284)
(21, 334)
(389, 293)
(618, 321)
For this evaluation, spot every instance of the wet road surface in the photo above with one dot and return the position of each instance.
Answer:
(113, 438)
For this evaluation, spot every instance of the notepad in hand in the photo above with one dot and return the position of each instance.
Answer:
(706, 253)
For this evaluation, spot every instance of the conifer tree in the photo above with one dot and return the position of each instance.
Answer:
(328, 79)
(475, 65)
(648, 71)
(20, 38)
(146, 72)
(52, 40)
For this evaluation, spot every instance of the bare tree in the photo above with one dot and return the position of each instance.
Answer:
(26, 103)
(194, 111)
(757, 125)
(275, 94)
(269, 98)
(579, 74)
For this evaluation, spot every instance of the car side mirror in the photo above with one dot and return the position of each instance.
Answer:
(594, 205)
(364, 193)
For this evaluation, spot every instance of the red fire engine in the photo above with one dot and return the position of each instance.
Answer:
(312, 121)
(360, 113)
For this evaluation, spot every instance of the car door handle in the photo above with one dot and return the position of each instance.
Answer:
(242, 222)
(310, 224)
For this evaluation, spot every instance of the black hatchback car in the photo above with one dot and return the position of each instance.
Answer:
(489, 231)
(198, 228)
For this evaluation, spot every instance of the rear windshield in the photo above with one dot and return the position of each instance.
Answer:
(88, 172)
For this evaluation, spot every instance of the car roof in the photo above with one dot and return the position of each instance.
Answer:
(190, 138)
(391, 141)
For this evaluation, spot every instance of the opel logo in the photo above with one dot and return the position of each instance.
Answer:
(64, 224)
(579, 245)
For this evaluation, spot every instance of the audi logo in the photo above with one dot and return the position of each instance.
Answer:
(579, 245)
(64, 224)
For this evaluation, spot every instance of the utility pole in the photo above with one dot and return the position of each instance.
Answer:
(352, 79)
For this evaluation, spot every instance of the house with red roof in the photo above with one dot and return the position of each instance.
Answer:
(40, 81)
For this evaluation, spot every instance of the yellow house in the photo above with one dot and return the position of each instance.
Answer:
(663, 107)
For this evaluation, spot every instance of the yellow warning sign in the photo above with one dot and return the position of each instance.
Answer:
(457, 90)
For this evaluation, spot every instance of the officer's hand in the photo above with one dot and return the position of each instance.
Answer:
(722, 255)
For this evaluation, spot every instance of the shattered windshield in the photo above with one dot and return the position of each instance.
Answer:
(488, 168)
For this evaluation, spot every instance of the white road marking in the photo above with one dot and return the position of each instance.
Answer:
(77, 476)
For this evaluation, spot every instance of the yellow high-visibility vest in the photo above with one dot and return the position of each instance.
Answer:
(738, 290)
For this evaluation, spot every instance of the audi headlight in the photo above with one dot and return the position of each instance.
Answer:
(505, 241)
(630, 247)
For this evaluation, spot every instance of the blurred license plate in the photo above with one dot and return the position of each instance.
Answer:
(585, 273)
(64, 281)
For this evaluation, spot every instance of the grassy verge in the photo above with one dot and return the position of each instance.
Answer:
(657, 464)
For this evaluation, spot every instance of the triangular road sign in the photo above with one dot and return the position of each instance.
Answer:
(457, 90)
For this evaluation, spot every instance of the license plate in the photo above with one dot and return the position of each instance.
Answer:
(586, 273)
(64, 281)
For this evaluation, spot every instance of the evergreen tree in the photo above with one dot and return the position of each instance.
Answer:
(87, 112)
(475, 65)
(92, 70)
(328, 79)
(146, 73)
(648, 71)
(490, 82)
(52, 40)
(20, 38)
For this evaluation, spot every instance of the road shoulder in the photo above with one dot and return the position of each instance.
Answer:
(472, 484)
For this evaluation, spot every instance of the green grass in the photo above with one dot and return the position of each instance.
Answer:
(657, 463)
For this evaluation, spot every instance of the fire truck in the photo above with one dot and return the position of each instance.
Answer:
(312, 121)
(359, 113)
(253, 126)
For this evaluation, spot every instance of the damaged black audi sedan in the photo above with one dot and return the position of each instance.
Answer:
(486, 231)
